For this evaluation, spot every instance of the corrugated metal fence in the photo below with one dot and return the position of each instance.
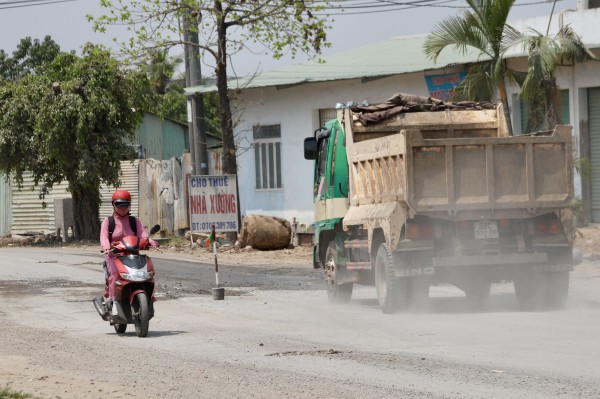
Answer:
(31, 215)
(158, 190)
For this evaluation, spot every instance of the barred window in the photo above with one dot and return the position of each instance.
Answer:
(326, 114)
(267, 156)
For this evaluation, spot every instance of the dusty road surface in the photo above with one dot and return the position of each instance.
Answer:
(284, 340)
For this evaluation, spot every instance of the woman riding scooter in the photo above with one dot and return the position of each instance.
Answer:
(114, 228)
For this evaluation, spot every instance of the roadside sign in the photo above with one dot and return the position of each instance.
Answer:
(213, 202)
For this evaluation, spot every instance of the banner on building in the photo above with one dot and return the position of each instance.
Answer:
(213, 201)
(442, 86)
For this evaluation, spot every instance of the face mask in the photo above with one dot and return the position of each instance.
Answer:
(121, 211)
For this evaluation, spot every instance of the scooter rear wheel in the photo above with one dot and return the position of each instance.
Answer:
(141, 314)
(120, 328)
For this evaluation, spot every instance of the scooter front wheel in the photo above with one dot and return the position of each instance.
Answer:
(141, 314)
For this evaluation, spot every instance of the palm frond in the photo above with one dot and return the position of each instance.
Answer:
(569, 45)
(479, 83)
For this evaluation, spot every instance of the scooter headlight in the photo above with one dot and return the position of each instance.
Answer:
(137, 275)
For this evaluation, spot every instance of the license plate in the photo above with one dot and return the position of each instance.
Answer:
(486, 229)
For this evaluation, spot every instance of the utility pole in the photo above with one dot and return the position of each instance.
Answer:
(198, 108)
(190, 118)
(198, 150)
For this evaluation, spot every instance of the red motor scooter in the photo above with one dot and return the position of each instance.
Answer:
(134, 288)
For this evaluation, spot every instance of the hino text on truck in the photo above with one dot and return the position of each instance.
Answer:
(416, 192)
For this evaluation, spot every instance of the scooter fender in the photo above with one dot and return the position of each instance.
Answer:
(134, 293)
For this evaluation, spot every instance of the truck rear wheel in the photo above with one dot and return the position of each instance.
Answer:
(418, 294)
(557, 289)
(530, 289)
(337, 292)
(478, 291)
(391, 290)
(537, 290)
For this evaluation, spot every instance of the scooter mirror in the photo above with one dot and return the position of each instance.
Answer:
(154, 229)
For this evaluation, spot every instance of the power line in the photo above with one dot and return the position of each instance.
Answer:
(6, 5)
(389, 5)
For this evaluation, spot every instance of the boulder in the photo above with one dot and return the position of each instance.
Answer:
(265, 233)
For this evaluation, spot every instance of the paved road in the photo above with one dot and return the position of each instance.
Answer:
(276, 336)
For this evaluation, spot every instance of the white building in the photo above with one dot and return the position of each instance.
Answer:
(281, 107)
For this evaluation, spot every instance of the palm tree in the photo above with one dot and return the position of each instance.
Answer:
(160, 70)
(545, 53)
(483, 28)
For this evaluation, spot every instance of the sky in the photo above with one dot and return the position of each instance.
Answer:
(65, 21)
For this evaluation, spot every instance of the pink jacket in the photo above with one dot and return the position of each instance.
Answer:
(122, 229)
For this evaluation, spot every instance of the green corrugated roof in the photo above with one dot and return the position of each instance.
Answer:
(394, 56)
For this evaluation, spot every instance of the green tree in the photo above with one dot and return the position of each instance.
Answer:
(28, 58)
(72, 122)
(160, 69)
(545, 52)
(484, 28)
(224, 27)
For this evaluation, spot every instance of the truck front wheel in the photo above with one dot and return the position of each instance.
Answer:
(337, 291)
(391, 290)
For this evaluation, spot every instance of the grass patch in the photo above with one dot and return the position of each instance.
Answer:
(8, 393)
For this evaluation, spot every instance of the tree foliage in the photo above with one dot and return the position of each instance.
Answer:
(28, 58)
(224, 28)
(545, 53)
(72, 122)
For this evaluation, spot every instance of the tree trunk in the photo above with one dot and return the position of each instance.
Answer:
(229, 149)
(550, 91)
(504, 99)
(86, 207)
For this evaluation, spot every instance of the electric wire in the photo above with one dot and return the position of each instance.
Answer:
(7, 5)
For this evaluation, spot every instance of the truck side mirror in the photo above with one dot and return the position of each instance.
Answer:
(310, 148)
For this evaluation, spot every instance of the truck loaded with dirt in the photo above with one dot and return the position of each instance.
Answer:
(416, 192)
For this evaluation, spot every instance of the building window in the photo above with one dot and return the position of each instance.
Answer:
(267, 156)
(325, 115)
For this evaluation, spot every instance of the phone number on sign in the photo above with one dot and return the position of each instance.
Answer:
(231, 226)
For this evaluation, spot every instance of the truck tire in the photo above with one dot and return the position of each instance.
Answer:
(336, 292)
(557, 289)
(530, 289)
(478, 292)
(418, 294)
(391, 290)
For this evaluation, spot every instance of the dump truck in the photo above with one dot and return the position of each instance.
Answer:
(415, 192)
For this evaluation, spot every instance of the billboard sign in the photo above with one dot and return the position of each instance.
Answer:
(213, 201)
(442, 86)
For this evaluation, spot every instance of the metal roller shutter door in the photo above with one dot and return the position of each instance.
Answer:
(594, 124)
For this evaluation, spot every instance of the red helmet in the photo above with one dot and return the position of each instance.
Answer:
(121, 197)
